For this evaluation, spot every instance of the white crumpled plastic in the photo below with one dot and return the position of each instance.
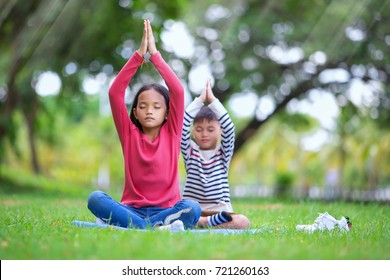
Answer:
(326, 222)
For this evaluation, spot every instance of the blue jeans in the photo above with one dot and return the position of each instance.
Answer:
(115, 213)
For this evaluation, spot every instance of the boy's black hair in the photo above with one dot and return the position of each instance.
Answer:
(157, 87)
(205, 113)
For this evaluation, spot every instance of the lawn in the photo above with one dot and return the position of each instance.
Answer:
(37, 225)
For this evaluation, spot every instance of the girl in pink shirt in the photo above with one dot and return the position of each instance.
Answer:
(150, 140)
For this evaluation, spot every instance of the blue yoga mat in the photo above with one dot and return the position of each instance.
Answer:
(211, 231)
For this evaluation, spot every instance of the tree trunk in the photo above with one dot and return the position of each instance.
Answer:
(252, 127)
(30, 117)
(6, 111)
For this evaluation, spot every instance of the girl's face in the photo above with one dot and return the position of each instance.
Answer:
(151, 110)
(207, 133)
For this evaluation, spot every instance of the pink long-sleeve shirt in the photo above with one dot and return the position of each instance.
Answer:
(151, 168)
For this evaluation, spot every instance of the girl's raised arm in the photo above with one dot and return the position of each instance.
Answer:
(176, 90)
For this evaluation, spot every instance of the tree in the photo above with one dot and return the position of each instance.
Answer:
(282, 49)
(279, 50)
(43, 35)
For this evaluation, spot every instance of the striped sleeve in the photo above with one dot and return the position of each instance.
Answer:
(189, 115)
(228, 133)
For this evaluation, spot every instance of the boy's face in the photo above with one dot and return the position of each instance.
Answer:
(207, 133)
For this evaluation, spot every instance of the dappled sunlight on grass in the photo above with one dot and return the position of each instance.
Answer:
(30, 229)
(38, 225)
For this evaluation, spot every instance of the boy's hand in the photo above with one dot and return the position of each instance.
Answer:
(209, 93)
(144, 42)
(151, 42)
(203, 95)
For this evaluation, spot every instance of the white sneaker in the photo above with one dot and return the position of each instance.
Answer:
(326, 222)
(100, 221)
(307, 228)
(175, 226)
(344, 223)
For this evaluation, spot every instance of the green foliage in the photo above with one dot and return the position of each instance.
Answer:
(48, 35)
(98, 36)
(73, 150)
(283, 184)
(14, 181)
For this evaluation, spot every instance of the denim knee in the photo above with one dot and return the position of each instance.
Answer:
(94, 197)
(194, 205)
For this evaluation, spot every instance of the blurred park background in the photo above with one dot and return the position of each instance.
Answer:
(306, 84)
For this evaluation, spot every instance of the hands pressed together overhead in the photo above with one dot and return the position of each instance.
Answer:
(207, 94)
(148, 44)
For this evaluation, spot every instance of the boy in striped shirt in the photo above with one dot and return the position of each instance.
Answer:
(207, 159)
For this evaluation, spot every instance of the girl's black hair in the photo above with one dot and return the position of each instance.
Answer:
(157, 87)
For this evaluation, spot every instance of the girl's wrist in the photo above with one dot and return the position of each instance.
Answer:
(140, 53)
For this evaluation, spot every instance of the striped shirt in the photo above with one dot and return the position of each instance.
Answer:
(207, 179)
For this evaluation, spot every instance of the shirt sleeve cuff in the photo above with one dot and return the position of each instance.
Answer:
(156, 56)
(217, 107)
(194, 107)
(138, 57)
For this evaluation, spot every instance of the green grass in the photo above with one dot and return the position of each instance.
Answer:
(37, 225)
